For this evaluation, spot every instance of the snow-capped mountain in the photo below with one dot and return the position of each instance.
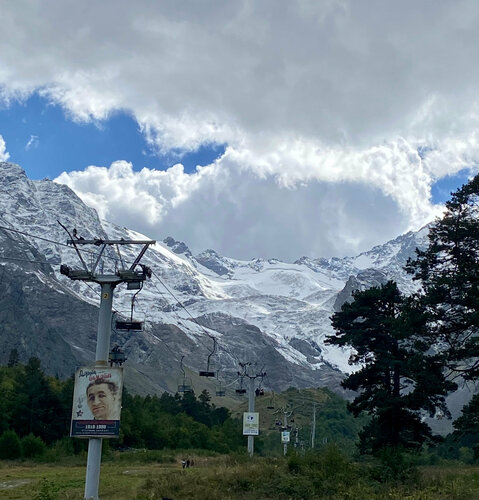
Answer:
(274, 313)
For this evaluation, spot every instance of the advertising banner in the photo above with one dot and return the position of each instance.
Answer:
(285, 436)
(97, 402)
(250, 424)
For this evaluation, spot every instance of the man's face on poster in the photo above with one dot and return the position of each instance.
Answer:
(101, 401)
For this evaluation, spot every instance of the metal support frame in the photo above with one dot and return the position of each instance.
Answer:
(286, 414)
(108, 282)
(251, 397)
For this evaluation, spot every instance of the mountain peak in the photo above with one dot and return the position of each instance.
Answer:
(178, 247)
(11, 171)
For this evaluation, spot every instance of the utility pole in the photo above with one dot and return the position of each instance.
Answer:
(108, 282)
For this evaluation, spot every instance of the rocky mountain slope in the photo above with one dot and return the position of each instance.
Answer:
(273, 313)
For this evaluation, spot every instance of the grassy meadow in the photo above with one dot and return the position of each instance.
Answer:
(325, 475)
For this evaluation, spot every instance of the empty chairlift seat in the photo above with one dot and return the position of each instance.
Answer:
(130, 325)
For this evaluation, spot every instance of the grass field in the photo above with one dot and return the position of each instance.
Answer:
(234, 478)
(117, 481)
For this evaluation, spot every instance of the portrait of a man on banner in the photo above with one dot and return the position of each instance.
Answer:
(97, 402)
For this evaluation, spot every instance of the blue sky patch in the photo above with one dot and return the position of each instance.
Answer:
(442, 189)
(45, 142)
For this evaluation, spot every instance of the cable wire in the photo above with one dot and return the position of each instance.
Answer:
(49, 240)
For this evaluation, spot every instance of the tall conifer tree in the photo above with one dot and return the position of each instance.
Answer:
(397, 380)
(449, 273)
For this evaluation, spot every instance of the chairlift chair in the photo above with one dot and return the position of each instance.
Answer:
(241, 389)
(117, 356)
(219, 389)
(185, 387)
(184, 384)
(130, 325)
(207, 372)
(271, 402)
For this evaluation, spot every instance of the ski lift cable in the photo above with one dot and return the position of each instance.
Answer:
(6, 257)
(113, 309)
(178, 318)
(47, 263)
(85, 251)
(23, 233)
(111, 258)
(108, 257)
(48, 240)
(79, 251)
(181, 320)
(55, 243)
(184, 308)
(92, 253)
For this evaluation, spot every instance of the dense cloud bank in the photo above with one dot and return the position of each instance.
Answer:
(338, 116)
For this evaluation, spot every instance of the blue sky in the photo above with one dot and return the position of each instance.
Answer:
(442, 189)
(45, 141)
(346, 123)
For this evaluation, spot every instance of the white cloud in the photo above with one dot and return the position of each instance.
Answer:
(318, 102)
(343, 203)
(4, 156)
(341, 71)
(32, 143)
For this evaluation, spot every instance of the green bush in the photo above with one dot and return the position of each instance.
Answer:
(47, 491)
(59, 450)
(395, 465)
(294, 464)
(32, 446)
(10, 447)
(466, 455)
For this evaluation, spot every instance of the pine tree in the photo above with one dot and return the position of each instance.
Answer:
(466, 427)
(13, 358)
(38, 409)
(397, 379)
(449, 273)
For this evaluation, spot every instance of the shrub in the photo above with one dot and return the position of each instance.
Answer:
(294, 464)
(10, 447)
(466, 455)
(396, 465)
(48, 491)
(32, 446)
(59, 450)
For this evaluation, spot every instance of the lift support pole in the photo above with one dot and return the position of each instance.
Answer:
(251, 396)
(92, 479)
(107, 282)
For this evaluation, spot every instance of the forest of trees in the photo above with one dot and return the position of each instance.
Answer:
(36, 409)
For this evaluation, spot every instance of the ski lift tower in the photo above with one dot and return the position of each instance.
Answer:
(120, 274)
(251, 396)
